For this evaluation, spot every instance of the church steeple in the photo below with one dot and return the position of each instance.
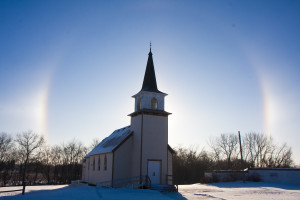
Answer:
(149, 83)
(149, 98)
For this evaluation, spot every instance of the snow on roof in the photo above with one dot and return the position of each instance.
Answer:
(109, 143)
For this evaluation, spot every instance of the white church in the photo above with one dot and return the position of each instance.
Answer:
(137, 155)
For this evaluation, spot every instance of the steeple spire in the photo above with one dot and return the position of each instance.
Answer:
(149, 83)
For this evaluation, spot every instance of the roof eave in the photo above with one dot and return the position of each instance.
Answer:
(151, 92)
(150, 112)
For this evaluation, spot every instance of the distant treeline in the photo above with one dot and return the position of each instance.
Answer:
(26, 158)
(259, 150)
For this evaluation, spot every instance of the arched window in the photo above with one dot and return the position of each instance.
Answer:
(139, 106)
(154, 104)
(105, 162)
(89, 164)
(99, 163)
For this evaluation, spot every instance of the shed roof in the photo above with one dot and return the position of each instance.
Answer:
(110, 143)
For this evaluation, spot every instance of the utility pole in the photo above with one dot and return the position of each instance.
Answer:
(241, 150)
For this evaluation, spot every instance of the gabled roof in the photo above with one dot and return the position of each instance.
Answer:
(110, 143)
(171, 149)
(149, 83)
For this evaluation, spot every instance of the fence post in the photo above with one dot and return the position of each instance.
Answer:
(23, 190)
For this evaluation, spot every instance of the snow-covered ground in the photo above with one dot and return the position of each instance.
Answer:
(222, 191)
(240, 190)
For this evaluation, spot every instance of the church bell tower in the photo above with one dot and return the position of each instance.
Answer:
(149, 98)
(149, 123)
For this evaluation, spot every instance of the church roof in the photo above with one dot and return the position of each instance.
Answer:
(110, 143)
(149, 83)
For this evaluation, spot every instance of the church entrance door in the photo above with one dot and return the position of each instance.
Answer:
(154, 168)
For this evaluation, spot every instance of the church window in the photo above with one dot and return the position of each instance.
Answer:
(105, 162)
(89, 165)
(94, 163)
(154, 104)
(139, 104)
(99, 163)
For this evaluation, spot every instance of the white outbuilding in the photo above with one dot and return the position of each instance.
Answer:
(139, 154)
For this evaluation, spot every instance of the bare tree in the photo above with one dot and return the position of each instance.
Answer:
(228, 145)
(216, 151)
(72, 153)
(260, 151)
(6, 145)
(189, 165)
(35, 161)
(47, 161)
(7, 157)
(249, 148)
(94, 143)
(56, 152)
(28, 142)
(263, 148)
(280, 156)
(35, 166)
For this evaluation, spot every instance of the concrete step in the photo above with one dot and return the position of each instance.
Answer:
(163, 188)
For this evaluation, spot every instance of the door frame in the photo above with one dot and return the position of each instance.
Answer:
(159, 169)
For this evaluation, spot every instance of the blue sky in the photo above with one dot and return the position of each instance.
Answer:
(68, 69)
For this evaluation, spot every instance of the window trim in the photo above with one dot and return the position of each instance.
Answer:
(139, 106)
(154, 103)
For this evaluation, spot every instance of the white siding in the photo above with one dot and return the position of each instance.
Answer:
(289, 176)
(154, 132)
(96, 176)
(155, 143)
(123, 162)
(136, 145)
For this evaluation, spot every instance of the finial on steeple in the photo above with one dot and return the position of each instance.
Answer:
(150, 47)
